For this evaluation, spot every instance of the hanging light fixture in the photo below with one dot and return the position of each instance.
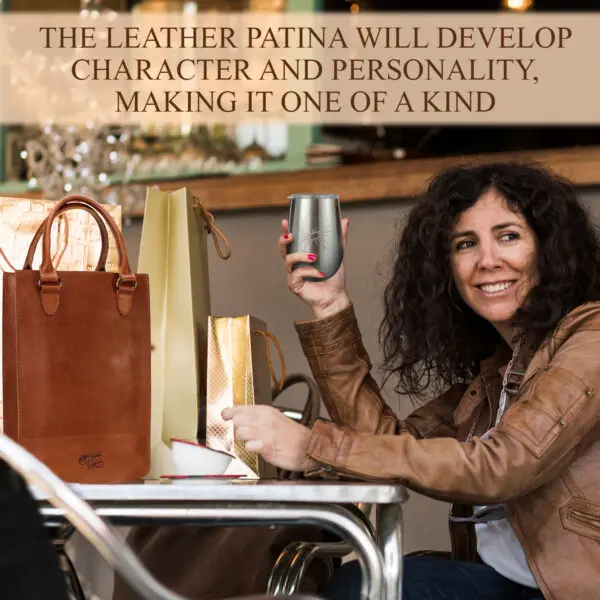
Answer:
(517, 5)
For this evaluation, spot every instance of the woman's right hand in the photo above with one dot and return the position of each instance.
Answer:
(324, 297)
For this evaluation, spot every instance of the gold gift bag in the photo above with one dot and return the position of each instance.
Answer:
(239, 372)
(174, 253)
(20, 218)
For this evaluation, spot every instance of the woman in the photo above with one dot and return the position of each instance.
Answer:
(494, 299)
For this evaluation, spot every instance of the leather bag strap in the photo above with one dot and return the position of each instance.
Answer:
(101, 266)
(50, 283)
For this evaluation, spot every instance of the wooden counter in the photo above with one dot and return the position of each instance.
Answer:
(374, 181)
(367, 182)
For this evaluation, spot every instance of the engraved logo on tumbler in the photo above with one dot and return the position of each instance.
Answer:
(91, 461)
(317, 239)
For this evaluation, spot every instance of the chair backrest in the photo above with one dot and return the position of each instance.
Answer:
(306, 416)
(82, 516)
(100, 534)
(312, 406)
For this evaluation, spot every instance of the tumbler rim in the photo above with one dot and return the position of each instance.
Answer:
(310, 195)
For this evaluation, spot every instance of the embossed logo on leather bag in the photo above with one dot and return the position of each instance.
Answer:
(91, 461)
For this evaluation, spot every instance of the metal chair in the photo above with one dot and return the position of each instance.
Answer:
(295, 558)
(307, 416)
(312, 407)
(83, 518)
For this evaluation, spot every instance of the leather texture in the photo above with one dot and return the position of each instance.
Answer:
(541, 461)
(76, 364)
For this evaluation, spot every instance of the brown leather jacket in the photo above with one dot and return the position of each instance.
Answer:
(542, 460)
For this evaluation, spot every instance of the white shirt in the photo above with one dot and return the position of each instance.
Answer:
(499, 548)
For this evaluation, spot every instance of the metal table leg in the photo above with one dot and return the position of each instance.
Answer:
(336, 519)
(389, 537)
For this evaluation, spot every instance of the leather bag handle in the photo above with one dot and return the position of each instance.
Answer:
(50, 284)
(101, 266)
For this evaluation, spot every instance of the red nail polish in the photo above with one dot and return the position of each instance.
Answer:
(322, 274)
(312, 256)
(286, 236)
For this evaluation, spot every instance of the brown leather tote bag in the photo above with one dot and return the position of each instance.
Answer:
(76, 362)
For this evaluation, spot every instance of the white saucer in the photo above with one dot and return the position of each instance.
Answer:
(202, 479)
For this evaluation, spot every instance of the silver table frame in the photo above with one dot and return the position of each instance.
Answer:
(266, 502)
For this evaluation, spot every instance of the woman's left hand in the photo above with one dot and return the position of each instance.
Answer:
(266, 430)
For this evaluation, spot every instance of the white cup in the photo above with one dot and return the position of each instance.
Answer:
(191, 458)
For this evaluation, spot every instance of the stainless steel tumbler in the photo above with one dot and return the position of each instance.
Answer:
(315, 221)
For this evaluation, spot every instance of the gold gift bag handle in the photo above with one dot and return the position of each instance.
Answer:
(269, 337)
(211, 227)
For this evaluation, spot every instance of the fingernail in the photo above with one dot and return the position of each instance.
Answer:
(312, 256)
(322, 274)
(286, 236)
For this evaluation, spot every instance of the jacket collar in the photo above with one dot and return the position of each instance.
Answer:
(488, 383)
(497, 363)
(485, 385)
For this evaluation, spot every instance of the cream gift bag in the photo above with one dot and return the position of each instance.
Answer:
(239, 373)
(20, 218)
(173, 251)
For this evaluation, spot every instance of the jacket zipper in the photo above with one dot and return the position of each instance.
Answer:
(590, 520)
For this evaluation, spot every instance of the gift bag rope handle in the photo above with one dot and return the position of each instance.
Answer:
(211, 227)
(101, 266)
(49, 282)
(268, 336)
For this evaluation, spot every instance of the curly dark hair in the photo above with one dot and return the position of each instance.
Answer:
(429, 335)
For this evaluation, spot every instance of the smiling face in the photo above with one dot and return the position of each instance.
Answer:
(493, 258)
